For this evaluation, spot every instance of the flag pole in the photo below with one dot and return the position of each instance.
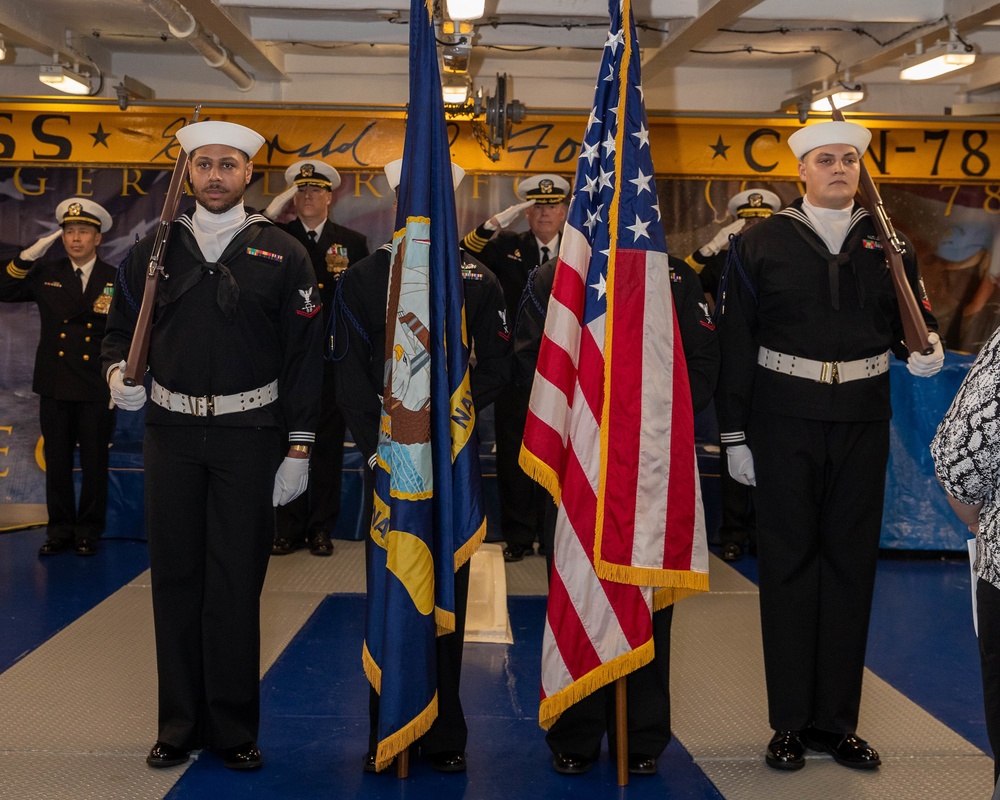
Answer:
(621, 731)
(403, 763)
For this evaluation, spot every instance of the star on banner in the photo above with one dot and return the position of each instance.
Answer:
(639, 228)
(719, 148)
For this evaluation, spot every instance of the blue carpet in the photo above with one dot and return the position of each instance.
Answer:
(314, 729)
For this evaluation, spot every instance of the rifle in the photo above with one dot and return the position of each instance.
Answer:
(135, 365)
(914, 327)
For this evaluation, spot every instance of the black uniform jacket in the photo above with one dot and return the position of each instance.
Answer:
(228, 327)
(511, 257)
(336, 248)
(68, 359)
(360, 341)
(784, 290)
(698, 337)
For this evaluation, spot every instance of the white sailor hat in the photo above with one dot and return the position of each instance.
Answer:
(806, 139)
(82, 210)
(393, 169)
(199, 134)
(754, 203)
(543, 189)
(312, 173)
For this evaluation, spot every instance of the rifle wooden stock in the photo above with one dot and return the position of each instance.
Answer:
(914, 327)
(135, 365)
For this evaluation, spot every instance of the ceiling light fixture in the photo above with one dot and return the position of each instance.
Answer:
(455, 89)
(466, 9)
(838, 97)
(942, 58)
(65, 80)
(3, 49)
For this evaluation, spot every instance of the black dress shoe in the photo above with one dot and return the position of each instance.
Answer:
(54, 546)
(447, 761)
(639, 764)
(166, 755)
(86, 548)
(846, 749)
(320, 544)
(244, 756)
(732, 552)
(282, 546)
(785, 751)
(369, 763)
(515, 552)
(571, 763)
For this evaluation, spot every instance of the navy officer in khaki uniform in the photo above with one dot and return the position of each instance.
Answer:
(309, 519)
(73, 295)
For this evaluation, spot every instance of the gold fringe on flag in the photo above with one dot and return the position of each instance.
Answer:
(552, 707)
(540, 472)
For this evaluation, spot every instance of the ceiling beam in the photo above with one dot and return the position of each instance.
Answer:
(686, 34)
(266, 63)
(21, 26)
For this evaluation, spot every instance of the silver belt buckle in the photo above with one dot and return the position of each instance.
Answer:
(828, 372)
(199, 405)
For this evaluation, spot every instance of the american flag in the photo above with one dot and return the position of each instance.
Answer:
(610, 427)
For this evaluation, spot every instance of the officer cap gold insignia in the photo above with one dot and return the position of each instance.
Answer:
(312, 173)
(81, 210)
(754, 203)
(544, 189)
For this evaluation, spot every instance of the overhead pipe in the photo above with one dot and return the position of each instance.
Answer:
(184, 26)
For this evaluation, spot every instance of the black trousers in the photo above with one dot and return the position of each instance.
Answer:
(522, 501)
(64, 424)
(449, 731)
(988, 611)
(582, 726)
(819, 515)
(739, 519)
(210, 525)
(317, 509)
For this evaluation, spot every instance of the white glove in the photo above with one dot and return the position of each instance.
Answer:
(721, 239)
(277, 205)
(40, 248)
(290, 481)
(127, 398)
(924, 366)
(740, 462)
(508, 215)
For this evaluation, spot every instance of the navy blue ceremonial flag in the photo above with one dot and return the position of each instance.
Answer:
(428, 517)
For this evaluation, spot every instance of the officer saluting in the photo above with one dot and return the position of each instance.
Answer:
(309, 519)
(73, 295)
(512, 256)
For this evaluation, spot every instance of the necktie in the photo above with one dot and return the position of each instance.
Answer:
(79, 276)
(545, 254)
(312, 236)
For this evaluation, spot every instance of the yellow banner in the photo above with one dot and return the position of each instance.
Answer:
(98, 133)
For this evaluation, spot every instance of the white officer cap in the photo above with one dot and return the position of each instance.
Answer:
(544, 189)
(394, 168)
(806, 139)
(82, 210)
(312, 173)
(754, 203)
(199, 134)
